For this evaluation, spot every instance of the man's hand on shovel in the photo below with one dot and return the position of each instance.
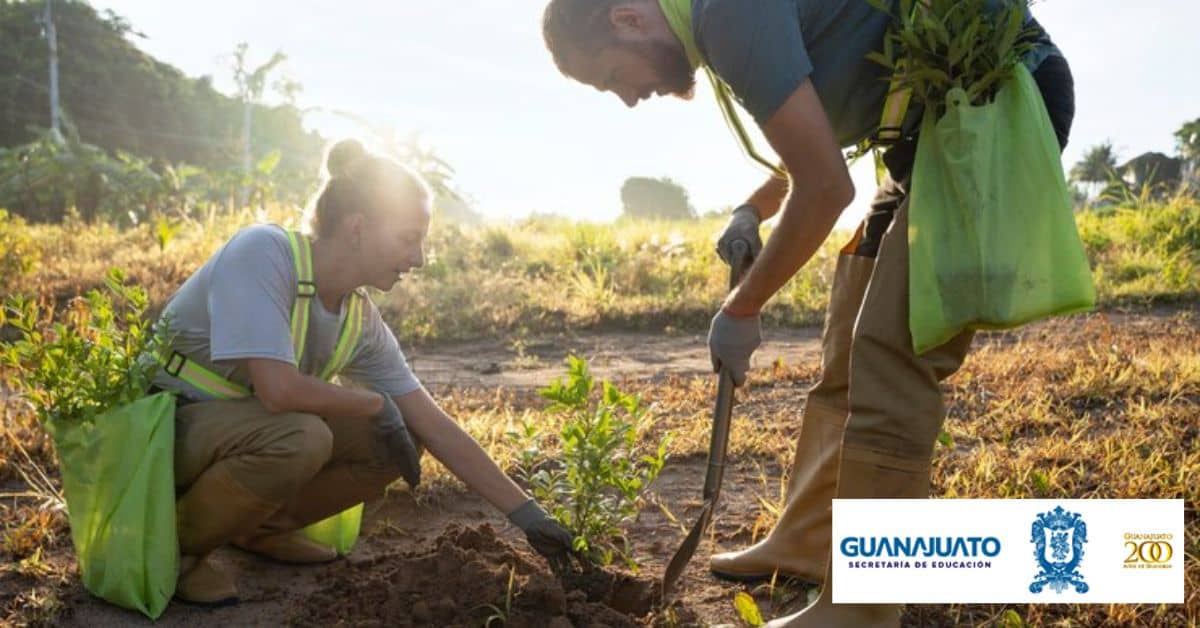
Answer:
(733, 339)
(730, 341)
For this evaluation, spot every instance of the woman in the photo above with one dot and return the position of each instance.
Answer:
(265, 443)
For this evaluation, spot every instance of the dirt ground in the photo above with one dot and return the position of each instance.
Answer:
(611, 355)
(399, 574)
(447, 559)
(440, 563)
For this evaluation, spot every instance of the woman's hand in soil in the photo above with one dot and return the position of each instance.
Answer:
(396, 444)
(546, 535)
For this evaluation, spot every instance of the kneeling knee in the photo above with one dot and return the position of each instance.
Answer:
(310, 441)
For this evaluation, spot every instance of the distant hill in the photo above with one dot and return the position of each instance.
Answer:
(120, 98)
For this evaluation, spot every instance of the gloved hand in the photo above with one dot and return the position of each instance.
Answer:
(743, 225)
(731, 342)
(395, 444)
(546, 535)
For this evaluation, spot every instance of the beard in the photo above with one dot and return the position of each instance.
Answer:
(671, 65)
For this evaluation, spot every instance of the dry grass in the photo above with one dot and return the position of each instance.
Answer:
(1098, 406)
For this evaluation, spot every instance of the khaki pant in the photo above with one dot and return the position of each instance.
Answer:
(894, 398)
(309, 467)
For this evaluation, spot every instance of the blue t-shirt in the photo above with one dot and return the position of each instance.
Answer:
(765, 49)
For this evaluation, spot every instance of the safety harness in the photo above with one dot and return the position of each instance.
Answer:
(205, 380)
(895, 107)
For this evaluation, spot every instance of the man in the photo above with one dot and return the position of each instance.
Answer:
(799, 68)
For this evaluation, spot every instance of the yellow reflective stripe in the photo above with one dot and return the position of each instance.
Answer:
(348, 337)
(734, 122)
(302, 255)
(211, 383)
(201, 378)
(895, 107)
(894, 110)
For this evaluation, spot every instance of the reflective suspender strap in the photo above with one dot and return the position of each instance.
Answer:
(895, 107)
(734, 121)
(891, 126)
(348, 338)
(305, 291)
(177, 365)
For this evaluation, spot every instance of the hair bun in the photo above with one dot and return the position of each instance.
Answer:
(342, 157)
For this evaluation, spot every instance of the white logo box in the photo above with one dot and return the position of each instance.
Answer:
(1134, 551)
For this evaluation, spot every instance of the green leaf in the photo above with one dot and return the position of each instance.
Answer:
(747, 609)
(1010, 619)
(1040, 482)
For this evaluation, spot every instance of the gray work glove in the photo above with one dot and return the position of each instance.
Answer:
(743, 225)
(396, 445)
(731, 342)
(546, 535)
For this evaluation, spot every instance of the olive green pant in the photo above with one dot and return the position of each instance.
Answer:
(240, 468)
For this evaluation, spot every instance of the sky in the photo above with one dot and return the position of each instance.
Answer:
(473, 78)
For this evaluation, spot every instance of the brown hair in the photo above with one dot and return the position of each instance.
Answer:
(577, 25)
(358, 180)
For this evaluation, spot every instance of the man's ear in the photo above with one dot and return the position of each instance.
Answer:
(628, 20)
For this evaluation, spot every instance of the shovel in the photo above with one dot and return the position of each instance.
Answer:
(717, 445)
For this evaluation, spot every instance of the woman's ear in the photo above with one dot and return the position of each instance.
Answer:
(356, 227)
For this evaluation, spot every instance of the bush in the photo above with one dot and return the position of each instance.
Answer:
(606, 462)
(87, 362)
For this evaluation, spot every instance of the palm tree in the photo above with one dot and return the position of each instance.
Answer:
(1099, 164)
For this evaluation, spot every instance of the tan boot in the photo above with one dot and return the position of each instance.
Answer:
(201, 582)
(288, 547)
(214, 510)
(863, 474)
(796, 547)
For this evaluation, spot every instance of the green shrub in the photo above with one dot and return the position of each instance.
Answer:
(605, 462)
(89, 360)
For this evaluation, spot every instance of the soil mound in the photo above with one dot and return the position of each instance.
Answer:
(465, 579)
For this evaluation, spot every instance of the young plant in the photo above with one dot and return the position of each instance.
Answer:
(594, 483)
(91, 360)
(938, 45)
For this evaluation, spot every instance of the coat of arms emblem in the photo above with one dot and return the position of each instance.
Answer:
(1058, 537)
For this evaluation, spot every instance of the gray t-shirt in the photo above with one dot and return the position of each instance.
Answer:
(765, 49)
(239, 305)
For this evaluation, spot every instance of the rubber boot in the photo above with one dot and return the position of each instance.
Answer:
(290, 547)
(201, 582)
(863, 474)
(798, 543)
(215, 509)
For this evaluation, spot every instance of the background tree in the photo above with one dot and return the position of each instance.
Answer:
(121, 99)
(663, 198)
(1097, 171)
(1187, 140)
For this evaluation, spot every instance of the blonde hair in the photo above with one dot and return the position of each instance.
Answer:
(357, 180)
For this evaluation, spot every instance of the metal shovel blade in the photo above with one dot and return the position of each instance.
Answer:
(712, 481)
(718, 444)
